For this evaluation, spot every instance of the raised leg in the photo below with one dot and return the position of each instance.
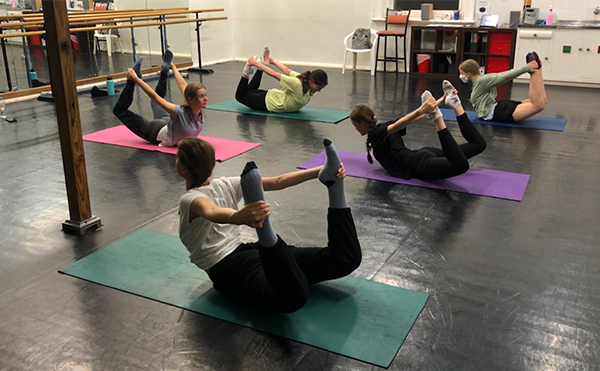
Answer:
(537, 98)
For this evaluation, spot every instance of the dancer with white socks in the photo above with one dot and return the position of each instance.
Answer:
(171, 122)
(429, 162)
(265, 274)
(298, 88)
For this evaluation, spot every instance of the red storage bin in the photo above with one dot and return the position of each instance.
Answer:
(499, 43)
(497, 64)
(424, 63)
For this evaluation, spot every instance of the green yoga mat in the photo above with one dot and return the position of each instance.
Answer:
(354, 317)
(307, 113)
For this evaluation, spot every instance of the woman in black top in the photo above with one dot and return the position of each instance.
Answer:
(428, 162)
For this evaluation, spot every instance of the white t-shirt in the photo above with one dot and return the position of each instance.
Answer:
(210, 242)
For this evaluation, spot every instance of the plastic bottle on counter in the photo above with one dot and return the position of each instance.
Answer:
(549, 17)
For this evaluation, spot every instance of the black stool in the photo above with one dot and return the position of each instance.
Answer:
(393, 17)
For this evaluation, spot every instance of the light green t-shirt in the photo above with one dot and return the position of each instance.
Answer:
(484, 93)
(291, 98)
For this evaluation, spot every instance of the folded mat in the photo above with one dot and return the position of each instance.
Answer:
(121, 136)
(535, 122)
(477, 181)
(352, 316)
(306, 113)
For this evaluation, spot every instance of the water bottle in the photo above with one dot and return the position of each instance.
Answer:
(32, 74)
(2, 109)
(110, 86)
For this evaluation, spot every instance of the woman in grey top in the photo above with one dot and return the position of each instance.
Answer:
(171, 122)
(484, 94)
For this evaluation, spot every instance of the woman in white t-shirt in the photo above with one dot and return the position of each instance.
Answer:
(170, 122)
(265, 274)
(298, 88)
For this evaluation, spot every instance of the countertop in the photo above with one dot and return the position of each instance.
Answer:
(566, 25)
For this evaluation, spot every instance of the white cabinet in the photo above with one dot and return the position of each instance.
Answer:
(579, 65)
(590, 66)
(536, 40)
(566, 65)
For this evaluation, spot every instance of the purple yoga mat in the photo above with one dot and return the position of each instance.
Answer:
(476, 181)
(121, 136)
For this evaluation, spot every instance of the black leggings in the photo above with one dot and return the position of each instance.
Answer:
(250, 95)
(434, 163)
(147, 130)
(277, 278)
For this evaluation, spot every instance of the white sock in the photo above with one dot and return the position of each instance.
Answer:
(452, 98)
(248, 70)
(264, 57)
(424, 97)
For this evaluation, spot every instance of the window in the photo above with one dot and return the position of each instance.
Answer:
(437, 4)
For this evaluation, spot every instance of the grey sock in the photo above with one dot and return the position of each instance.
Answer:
(167, 59)
(137, 66)
(328, 176)
(252, 190)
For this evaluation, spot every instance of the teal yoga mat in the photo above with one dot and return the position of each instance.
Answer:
(352, 316)
(306, 113)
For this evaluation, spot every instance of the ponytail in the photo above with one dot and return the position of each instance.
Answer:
(369, 148)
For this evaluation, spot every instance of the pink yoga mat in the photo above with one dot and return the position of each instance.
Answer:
(476, 181)
(121, 136)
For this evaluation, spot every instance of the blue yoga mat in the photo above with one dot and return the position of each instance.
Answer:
(306, 113)
(352, 316)
(535, 122)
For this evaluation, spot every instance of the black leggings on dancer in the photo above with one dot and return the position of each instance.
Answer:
(451, 160)
(250, 95)
(277, 278)
(143, 128)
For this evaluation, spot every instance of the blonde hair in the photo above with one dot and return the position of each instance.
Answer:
(469, 66)
(365, 113)
(198, 157)
(190, 93)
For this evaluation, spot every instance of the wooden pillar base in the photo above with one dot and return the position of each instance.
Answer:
(81, 228)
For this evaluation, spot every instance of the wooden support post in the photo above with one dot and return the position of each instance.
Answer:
(64, 91)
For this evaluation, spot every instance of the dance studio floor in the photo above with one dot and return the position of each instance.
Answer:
(513, 285)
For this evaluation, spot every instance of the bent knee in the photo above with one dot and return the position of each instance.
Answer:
(539, 106)
(293, 304)
(462, 168)
(350, 265)
(354, 263)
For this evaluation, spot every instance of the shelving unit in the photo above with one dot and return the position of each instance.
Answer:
(492, 48)
(441, 44)
(447, 47)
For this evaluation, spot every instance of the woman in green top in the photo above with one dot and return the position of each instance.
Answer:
(483, 95)
(298, 88)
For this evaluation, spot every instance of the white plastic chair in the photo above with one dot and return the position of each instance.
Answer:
(109, 38)
(355, 52)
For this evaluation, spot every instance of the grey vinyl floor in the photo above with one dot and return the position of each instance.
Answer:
(513, 285)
